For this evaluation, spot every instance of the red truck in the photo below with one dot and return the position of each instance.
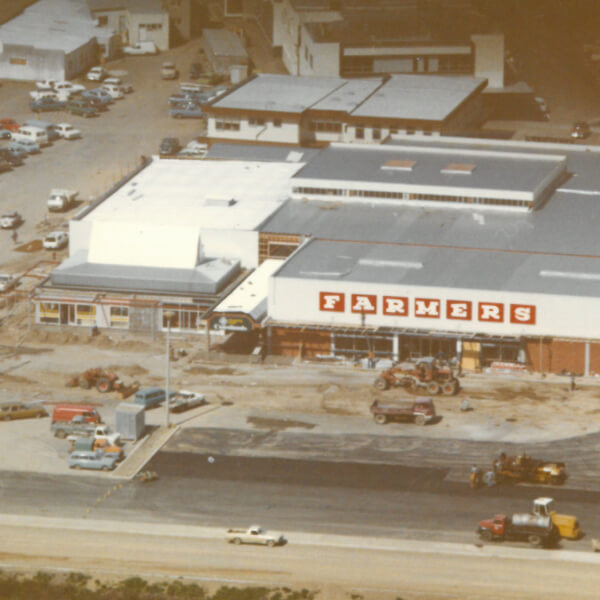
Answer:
(538, 530)
(419, 411)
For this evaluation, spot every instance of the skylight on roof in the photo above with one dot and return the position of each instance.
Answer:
(571, 275)
(458, 168)
(376, 262)
(399, 165)
(294, 156)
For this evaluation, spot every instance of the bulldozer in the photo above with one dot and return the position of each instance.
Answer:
(527, 469)
(104, 381)
(428, 373)
(568, 525)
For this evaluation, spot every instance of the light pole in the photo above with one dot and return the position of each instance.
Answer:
(168, 315)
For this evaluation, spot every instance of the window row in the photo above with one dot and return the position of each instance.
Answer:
(408, 196)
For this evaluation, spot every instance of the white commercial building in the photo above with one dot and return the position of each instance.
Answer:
(304, 110)
(53, 39)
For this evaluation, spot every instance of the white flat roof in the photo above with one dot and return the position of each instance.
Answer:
(51, 25)
(208, 194)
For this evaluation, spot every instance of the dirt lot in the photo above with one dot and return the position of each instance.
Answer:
(35, 365)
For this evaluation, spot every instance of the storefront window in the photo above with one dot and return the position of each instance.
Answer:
(119, 316)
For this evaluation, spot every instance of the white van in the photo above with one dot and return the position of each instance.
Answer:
(31, 134)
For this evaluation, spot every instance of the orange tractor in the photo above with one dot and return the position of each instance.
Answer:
(104, 381)
(430, 374)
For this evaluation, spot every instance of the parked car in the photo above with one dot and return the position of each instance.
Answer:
(45, 84)
(19, 410)
(581, 130)
(150, 397)
(56, 240)
(115, 91)
(185, 400)
(191, 110)
(37, 94)
(169, 146)
(192, 153)
(92, 459)
(4, 134)
(67, 413)
(7, 282)
(13, 159)
(16, 156)
(10, 124)
(67, 131)
(168, 71)
(31, 133)
(81, 107)
(25, 146)
(68, 87)
(98, 96)
(125, 86)
(141, 48)
(183, 98)
(420, 411)
(11, 220)
(97, 74)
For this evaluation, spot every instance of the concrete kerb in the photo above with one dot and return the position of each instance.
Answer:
(475, 549)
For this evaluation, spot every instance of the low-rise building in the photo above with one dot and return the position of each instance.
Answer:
(306, 110)
(53, 39)
(134, 20)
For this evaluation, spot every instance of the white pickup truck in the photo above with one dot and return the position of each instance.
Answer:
(100, 432)
(255, 534)
(61, 199)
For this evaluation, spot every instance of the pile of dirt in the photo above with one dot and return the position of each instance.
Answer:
(129, 370)
(200, 370)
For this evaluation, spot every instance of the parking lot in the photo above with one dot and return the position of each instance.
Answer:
(111, 145)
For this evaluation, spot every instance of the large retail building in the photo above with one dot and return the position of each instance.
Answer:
(474, 249)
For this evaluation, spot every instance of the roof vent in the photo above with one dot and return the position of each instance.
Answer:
(458, 169)
(399, 165)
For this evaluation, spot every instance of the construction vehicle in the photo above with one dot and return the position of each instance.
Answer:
(527, 469)
(104, 381)
(539, 531)
(568, 525)
(428, 373)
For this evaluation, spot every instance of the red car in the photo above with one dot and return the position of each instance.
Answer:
(9, 124)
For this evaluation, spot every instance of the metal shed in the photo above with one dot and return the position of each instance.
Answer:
(130, 421)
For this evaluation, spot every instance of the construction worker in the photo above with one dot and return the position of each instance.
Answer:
(14, 236)
(475, 477)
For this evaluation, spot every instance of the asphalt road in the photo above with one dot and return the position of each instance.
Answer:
(311, 496)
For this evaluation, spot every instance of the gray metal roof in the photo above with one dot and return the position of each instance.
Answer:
(348, 96)
(442, 267)
(261, 153)
(223, 42)
(420, 97)
(78, 272)
(510, 171)
(280, 93)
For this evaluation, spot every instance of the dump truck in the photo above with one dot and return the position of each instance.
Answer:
(428, 373)
(538, 530)
(419, 411)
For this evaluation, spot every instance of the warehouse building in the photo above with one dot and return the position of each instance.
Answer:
(308, 110)
(53, 39)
